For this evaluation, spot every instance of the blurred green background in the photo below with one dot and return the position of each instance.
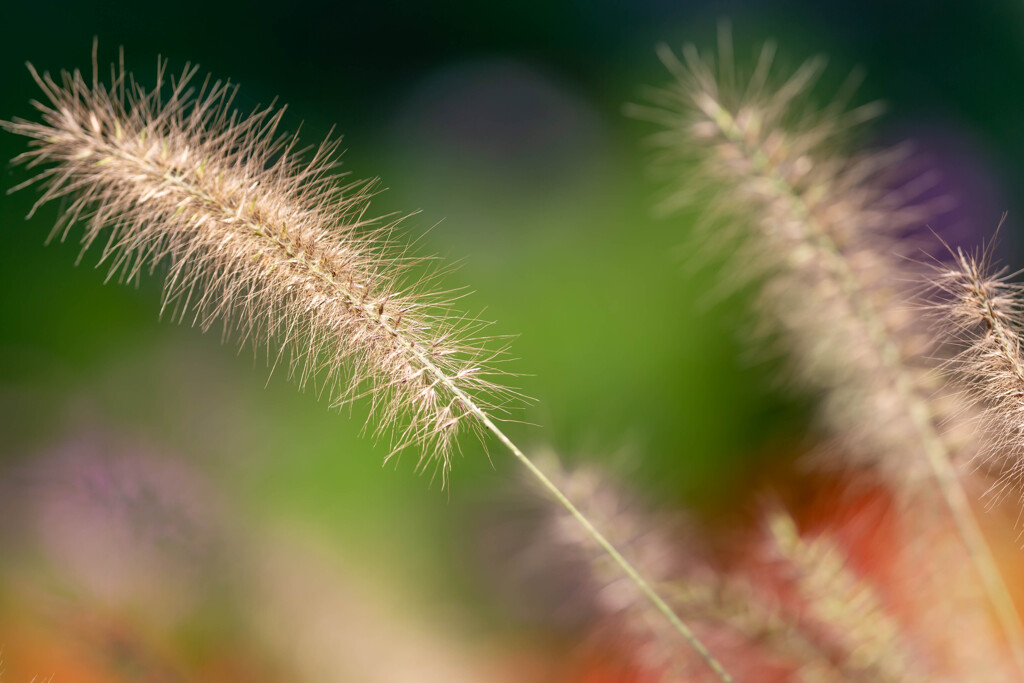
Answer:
(503, 126)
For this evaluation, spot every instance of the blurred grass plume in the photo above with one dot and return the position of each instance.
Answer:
(826, 237)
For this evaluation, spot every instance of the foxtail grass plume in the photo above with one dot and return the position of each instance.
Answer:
(260, 237)
(980, 314)
(825, 235)
(819, 231)
(256, 234)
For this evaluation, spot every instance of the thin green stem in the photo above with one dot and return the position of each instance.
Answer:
(627, 568)
(607, 546)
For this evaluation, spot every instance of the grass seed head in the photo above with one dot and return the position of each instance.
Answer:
(824, 235)
(258, 236)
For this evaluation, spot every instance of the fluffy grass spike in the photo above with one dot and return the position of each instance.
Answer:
(982, 316)
(255, 234)
(259, 238)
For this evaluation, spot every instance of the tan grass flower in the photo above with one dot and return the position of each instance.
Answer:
(980, 313)
(259, 237)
